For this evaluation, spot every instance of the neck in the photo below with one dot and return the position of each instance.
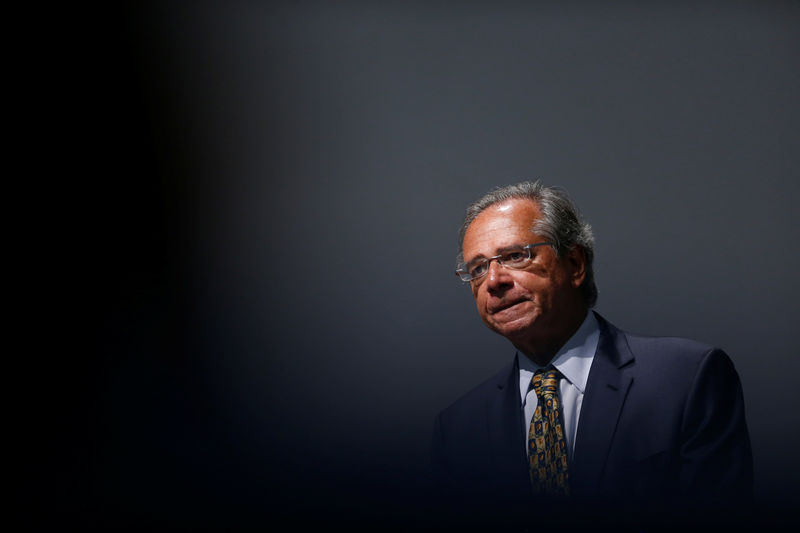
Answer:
(542, 350)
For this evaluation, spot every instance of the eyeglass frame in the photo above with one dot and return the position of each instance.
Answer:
(528, 247)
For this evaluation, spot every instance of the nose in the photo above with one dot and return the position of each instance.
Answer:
(498, 279)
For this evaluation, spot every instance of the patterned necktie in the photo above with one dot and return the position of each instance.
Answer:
(546, 442)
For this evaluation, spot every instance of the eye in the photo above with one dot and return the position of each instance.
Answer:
(515, 256)
(477, 269)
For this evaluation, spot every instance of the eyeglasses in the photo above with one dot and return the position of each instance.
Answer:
(516, 257)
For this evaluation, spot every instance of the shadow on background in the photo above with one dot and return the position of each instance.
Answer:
(255, 318)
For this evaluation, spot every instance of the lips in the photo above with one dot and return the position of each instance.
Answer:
(503, 306)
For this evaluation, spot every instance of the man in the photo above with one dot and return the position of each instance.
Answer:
(587, 420)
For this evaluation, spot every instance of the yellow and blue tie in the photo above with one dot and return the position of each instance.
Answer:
(547, 446)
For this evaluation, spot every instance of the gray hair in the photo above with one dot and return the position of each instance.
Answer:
(561, 223)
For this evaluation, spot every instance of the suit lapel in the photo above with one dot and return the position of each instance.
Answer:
(505, 430)
(606, 390)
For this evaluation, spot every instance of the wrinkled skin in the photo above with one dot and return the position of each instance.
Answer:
(539, 307)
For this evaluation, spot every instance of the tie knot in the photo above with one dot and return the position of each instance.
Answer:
(545, 382)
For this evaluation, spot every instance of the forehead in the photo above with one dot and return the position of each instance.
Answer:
(500, 225)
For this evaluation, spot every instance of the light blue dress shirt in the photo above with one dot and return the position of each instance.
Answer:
(573, 360)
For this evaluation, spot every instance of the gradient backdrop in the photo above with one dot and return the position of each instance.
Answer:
(269, 230)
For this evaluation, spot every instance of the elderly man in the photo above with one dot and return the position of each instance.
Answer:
(587, 420)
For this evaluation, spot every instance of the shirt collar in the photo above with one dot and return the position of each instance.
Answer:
(574, 359)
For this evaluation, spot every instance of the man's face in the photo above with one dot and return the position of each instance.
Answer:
(531, 306)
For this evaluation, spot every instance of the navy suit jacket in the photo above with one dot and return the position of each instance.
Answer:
(661, 427)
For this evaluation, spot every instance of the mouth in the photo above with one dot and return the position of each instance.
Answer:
(504, 306)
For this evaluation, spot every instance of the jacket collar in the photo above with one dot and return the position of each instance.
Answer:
(505, 421)
(606, 391)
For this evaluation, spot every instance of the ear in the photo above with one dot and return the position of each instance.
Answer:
(576, 263)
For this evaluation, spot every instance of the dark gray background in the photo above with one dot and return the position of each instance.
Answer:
(269, 265)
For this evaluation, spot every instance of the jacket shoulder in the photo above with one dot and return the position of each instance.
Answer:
(658, 350)
(676, 349)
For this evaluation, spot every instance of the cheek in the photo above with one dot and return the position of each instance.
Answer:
(480, 302)
(478, 294)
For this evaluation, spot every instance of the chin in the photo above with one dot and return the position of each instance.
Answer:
(513, 331)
